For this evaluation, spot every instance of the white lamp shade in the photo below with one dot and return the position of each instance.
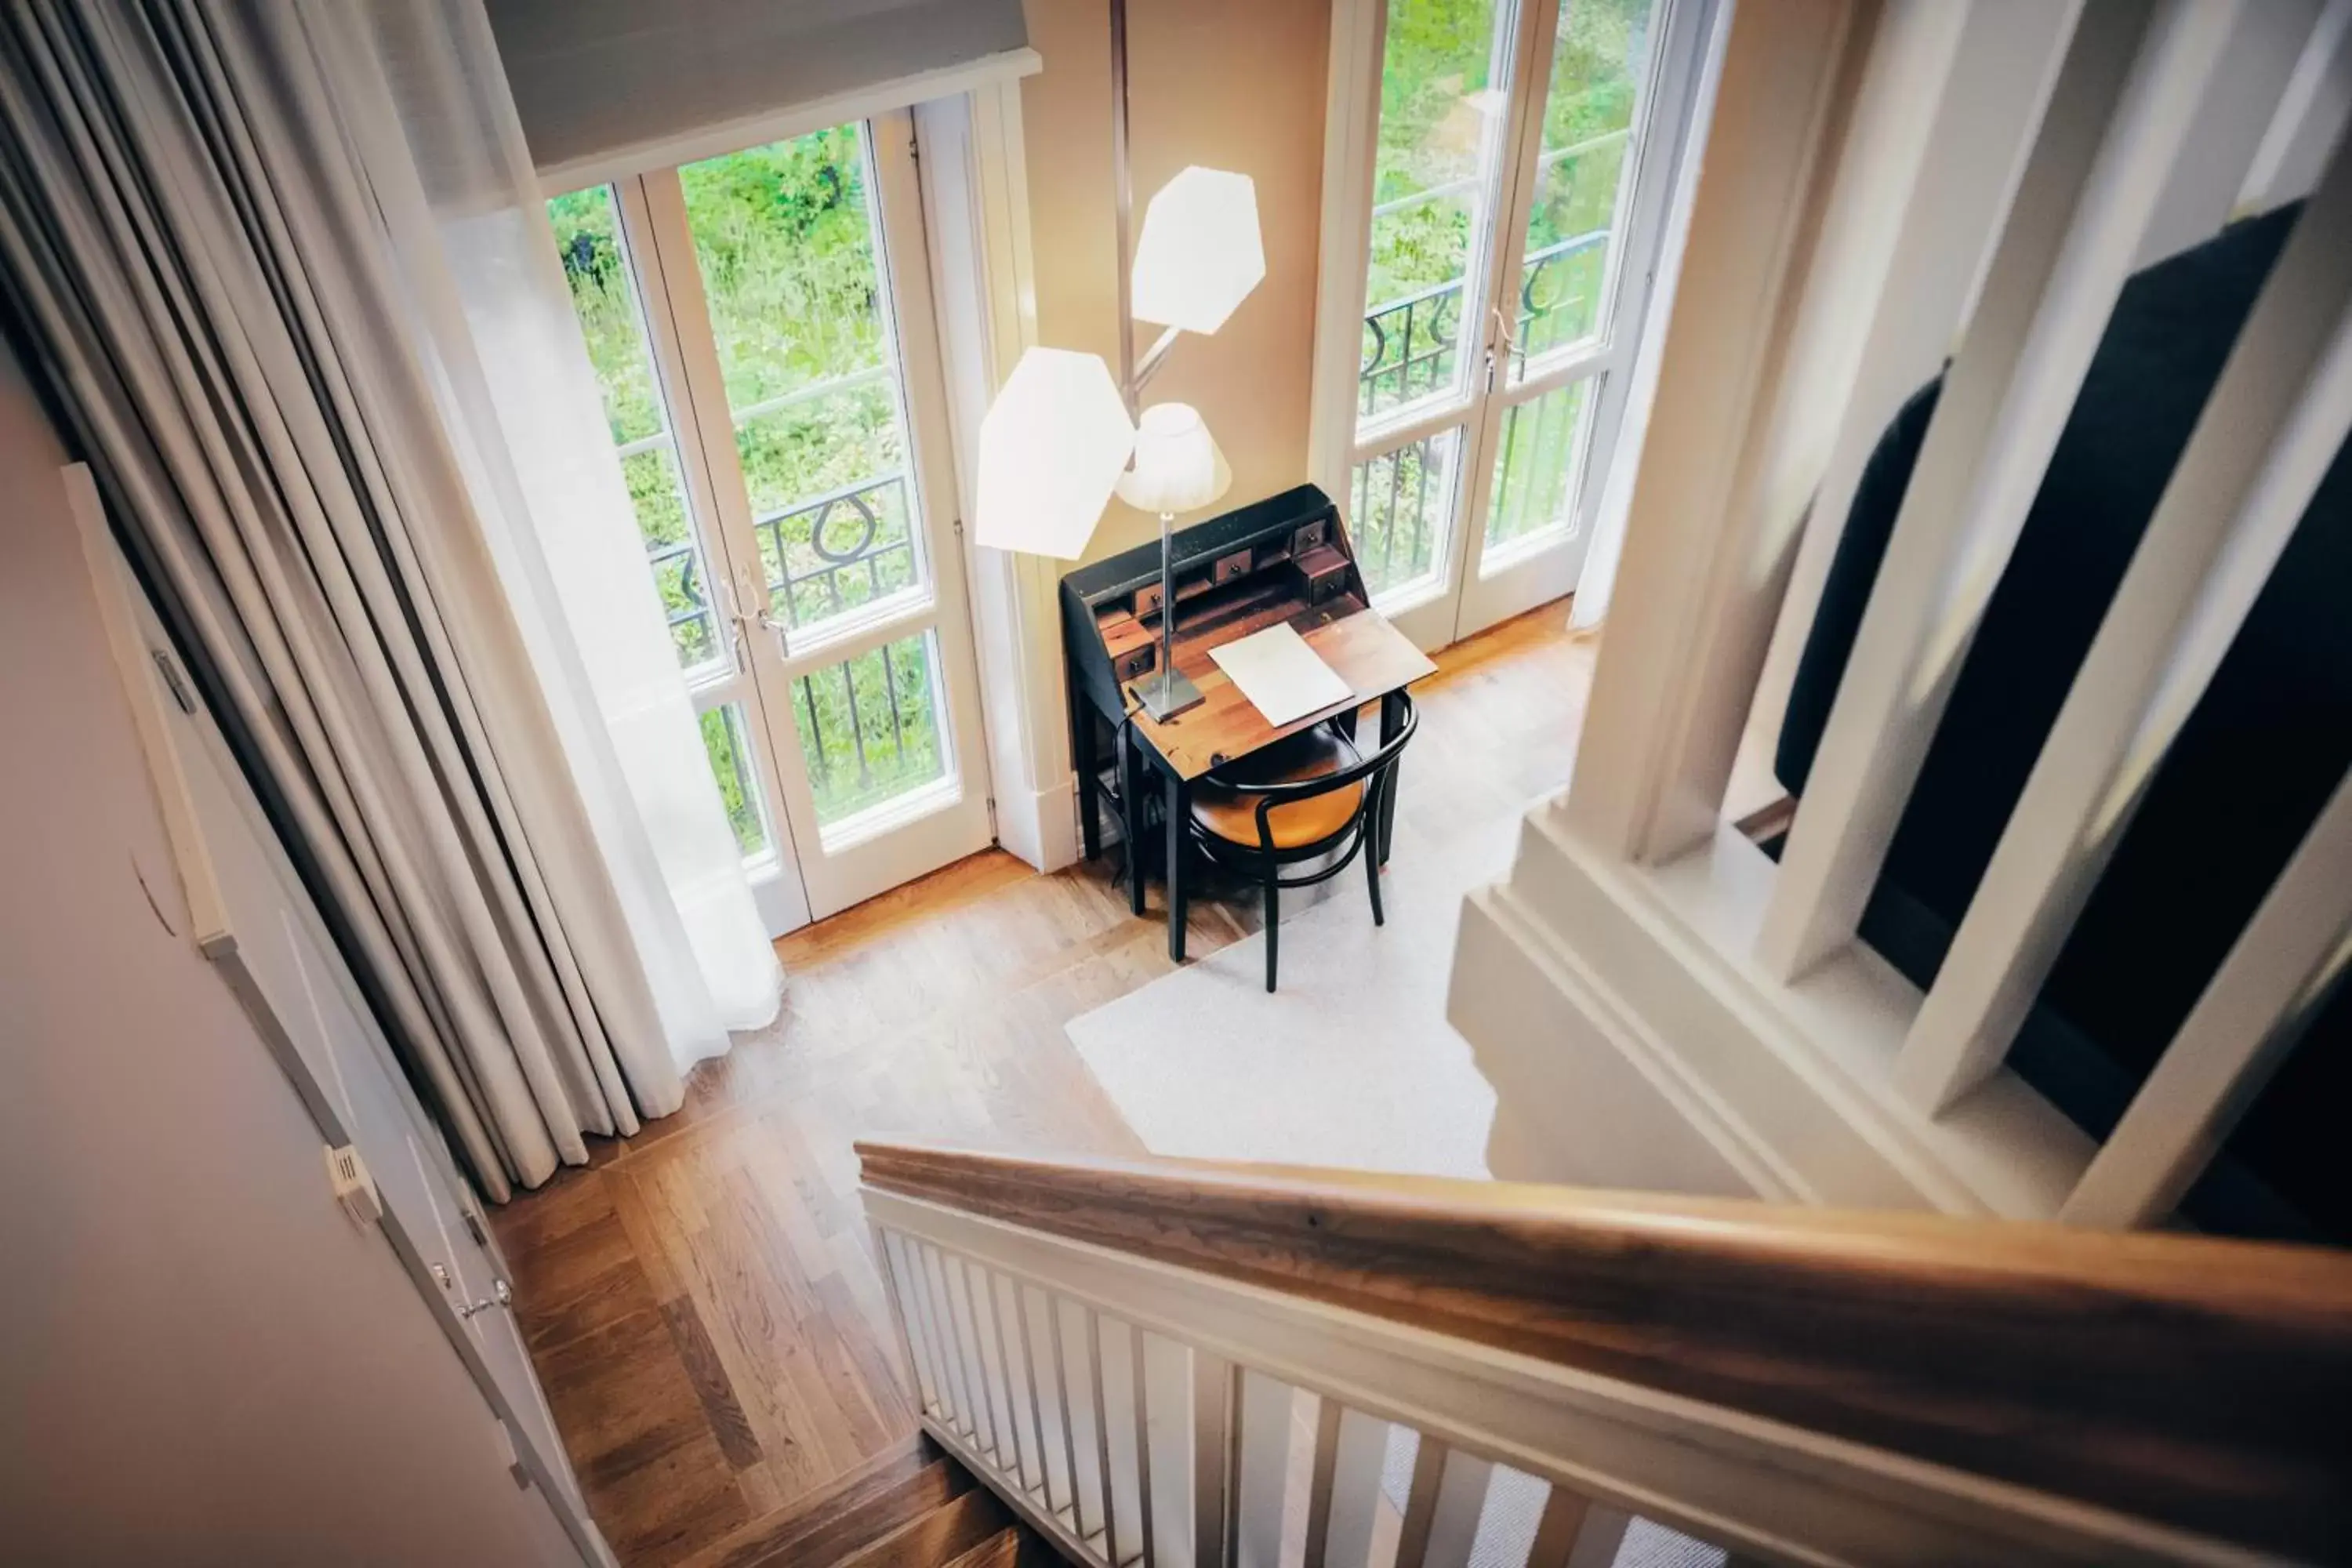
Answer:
(1177, 465)
(1200, 254)
(1051, 449)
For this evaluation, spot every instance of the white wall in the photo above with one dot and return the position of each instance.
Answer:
(201, 1359)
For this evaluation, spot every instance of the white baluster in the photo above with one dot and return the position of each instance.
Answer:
(1563, 1521)
(1261, 1470)
(1139, 1389)
(969, 1342)
(955, 1385)
(1344, 1498)
(2276, 417)
(1008, 1378)
(1420, 1502)
(1598, 1540)
(1072, 1410)
(1458, 1506)
(2248, 1017)
(1213, 1453)
(1948, 111)
(2310, 118)
(891, 1254)
(1691, 602)
(1036, 1404)
(2127, 96)
(1108, 1492)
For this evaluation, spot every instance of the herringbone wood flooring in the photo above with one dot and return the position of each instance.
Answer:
(699, 1300)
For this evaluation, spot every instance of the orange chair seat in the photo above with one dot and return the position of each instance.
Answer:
(1229, 810)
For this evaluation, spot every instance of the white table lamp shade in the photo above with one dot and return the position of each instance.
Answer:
(1178, 468)
(1051, 451)
(1201, 254)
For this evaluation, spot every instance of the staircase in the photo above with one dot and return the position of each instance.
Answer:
(911, 1508)
(1174, 1364)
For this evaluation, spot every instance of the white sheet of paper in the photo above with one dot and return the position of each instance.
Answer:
(1280, 675)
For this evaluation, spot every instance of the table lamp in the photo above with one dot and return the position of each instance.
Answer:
(1177, 468)
(1061, 434)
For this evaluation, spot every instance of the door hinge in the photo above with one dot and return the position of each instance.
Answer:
(474, 1228)
(992, 817)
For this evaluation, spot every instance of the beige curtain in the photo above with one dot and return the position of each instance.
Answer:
(200, 262)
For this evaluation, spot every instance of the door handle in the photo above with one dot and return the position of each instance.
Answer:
(502, 1295)
(747, 620)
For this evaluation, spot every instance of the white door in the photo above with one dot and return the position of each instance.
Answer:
(1512, 164)
(762, 324)
(258, 925)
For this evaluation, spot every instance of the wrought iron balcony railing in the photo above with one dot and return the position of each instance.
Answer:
(1411, 346)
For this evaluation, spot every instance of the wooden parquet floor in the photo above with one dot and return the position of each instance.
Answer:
(699, 1302)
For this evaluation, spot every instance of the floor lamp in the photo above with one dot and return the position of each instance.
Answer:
(1062, 437)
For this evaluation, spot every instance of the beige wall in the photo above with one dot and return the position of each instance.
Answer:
(1232, 84)
(201, 1360)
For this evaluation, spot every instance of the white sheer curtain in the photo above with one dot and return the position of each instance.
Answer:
(418, 87)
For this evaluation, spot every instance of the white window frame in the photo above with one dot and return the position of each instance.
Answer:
(807, 871)
(1471, 585)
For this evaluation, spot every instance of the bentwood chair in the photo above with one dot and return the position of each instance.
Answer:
(1312, 797)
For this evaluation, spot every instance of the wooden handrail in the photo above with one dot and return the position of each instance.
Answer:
(2201, 1383)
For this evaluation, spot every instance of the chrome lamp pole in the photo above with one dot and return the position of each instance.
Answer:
(1172, 691)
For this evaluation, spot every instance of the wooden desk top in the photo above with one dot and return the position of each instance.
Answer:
(1371, 656)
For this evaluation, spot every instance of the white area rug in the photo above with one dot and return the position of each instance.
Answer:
(1350, 1064)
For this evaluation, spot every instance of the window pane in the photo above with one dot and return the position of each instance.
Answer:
(1402, 512)
(1443, 75)
(869, 728)
(1537, 463)
(788, 259)
(604, 296)
(784, 235)
(848, 549)
(819, 442)
(1599, 68)
(730, 764)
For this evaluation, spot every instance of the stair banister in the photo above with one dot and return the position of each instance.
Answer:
(1792, 1383)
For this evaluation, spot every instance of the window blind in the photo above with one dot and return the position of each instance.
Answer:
(612, 86)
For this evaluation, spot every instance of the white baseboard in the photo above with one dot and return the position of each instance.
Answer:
(1041, 826)
(1631, 1043)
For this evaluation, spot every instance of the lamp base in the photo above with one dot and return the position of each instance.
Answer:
(1165, 696)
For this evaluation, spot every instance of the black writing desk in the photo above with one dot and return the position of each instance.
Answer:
(1283, 559)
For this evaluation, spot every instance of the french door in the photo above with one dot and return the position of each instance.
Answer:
(1507, 167)
(762, 326)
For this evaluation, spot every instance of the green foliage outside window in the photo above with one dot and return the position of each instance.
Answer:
(1434, 77)
(785, 245)
(880, 745)
(730, 764)
(1597, 68)
(785, 240)
(1436, 92)
(604, 296)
